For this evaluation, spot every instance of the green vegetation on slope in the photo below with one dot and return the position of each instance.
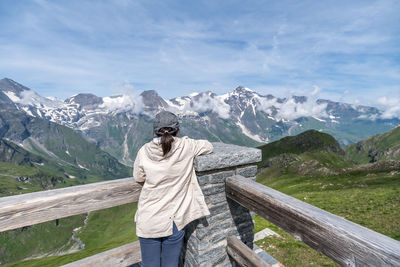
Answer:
(310, 140)
(10, 152)
(369, 199)
(16, 179)
(105, 229)
(39, 240)
(378, 147)
(286, 249)
(22, 171)
(365, 194)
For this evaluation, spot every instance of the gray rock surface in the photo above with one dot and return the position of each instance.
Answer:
(227, 155)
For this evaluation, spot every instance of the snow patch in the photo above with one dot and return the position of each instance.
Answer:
(82, 167)
(12, 96)
(27, 111)
(318, 119)
(255, 137)
(193, 94)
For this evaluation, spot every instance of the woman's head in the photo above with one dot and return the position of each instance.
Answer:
(166, 125)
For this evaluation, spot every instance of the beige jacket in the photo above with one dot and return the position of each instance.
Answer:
(171, 191)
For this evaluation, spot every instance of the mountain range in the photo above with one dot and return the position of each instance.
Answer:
(121, 124)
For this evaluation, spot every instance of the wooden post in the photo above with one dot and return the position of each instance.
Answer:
(242, 254)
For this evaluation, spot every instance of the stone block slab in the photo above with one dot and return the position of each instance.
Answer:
(227, 155)
(216, 198)
(214, 189)
(248, 171)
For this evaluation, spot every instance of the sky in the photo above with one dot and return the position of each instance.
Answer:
(347, 51)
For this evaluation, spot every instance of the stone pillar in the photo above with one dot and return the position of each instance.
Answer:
(205, 239)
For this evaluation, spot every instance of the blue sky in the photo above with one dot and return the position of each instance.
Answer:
(348, 49)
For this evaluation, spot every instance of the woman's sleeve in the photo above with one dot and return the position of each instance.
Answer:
(138, 172)
(202, 147)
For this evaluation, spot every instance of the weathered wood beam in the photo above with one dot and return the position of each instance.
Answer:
(28, 209)
(242, 254)
(125, 255)
(345, 242)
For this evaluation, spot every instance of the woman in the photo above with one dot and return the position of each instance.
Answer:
(171, 196)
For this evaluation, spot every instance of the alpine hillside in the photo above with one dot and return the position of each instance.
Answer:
(57, 145)
(313, 168)
(379, 147)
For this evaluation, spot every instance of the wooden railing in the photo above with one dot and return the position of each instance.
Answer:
(345, 242)
(33, 208)
(28, 209)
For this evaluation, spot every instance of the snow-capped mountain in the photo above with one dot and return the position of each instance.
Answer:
(121, 124)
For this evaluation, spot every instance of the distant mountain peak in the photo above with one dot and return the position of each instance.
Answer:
(150, 93)
(152, 100)
(84, 100)
(299, 99)
(203, 94)
(243, 90)
(8, 85)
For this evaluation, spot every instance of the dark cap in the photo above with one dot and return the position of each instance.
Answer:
(165, 119)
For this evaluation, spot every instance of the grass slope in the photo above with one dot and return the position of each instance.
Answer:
(38, 240)
(378, 147)
(365, 194)
(105, 230)
(310, 140)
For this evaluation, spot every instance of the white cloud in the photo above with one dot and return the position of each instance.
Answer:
(27, 97)
(291, 110)
(128, 101)
(205, 102)
(316, 90)
(391, 107)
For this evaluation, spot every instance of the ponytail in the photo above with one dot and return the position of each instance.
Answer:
(167, 139)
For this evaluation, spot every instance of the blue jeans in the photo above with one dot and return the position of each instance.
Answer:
(163, 251)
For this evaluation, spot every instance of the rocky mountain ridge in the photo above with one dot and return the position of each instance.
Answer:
(121, 124)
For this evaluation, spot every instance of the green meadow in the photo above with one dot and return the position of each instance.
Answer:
(371, 199)
(105, 230)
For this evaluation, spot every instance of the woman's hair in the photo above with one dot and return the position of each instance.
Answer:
(167, 138)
